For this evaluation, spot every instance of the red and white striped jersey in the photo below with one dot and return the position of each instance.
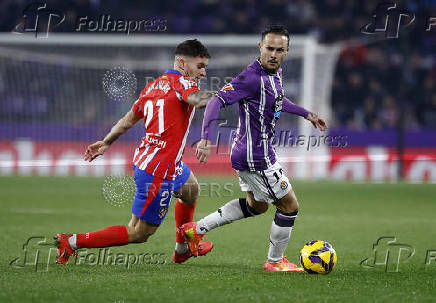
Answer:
(167, 118)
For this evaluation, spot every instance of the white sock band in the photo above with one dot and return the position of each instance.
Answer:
(72, 242)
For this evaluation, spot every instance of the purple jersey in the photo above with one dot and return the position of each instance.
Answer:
(260, 97)
(261, 100)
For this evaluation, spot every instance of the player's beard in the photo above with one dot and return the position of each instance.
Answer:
(271, 70)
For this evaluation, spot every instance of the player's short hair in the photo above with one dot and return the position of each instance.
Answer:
(192, 48)
(276, 29)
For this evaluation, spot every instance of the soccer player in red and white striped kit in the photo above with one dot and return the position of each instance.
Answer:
(167, 106)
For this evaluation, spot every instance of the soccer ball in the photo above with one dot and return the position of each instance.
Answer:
(318, 257)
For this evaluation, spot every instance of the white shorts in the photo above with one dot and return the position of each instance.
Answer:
(267, 185)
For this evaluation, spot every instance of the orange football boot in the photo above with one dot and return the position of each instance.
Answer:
(283, 265)
(189, 232)
(203, 249)
(64, 249)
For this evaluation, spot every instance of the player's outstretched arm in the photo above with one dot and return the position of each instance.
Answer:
(317, 121)
(289, 107)
(98, 148)
(200, 98)
(210, 117)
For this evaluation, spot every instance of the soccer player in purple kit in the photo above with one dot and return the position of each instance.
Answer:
(259, 93)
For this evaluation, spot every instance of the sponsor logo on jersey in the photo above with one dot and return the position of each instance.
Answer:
(283, 185)
(155, 141)
(162, 212)
(227, 87)
(277, 106)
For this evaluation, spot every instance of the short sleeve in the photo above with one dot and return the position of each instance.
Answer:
(184, 87)
(137, 108)
(245, 85)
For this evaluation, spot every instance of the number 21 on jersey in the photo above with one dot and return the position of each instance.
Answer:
(148, 111)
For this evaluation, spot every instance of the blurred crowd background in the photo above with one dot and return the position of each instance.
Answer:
(374, 83)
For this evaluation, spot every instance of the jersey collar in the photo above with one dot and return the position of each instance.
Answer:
(172, 72)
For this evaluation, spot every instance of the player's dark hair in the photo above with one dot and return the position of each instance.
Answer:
(276, 29)
(192, 48)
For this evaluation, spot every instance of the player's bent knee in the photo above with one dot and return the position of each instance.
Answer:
(190, 191)
(288, 203)
(251, 208)
(288, 208)
(261, 207)
(188, 199)
(192, 196)
(194, 191)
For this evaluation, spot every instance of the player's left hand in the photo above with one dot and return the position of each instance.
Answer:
(203, 150)
(94, 150)
(317, 121)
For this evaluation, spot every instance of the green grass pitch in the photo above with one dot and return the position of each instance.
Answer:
(350, 216)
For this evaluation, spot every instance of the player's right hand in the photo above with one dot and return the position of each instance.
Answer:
(94, 150)
(317, 121)
(203, 150)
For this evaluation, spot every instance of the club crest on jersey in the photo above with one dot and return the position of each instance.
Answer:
(179, 170)
(227, 87)
(283, 185)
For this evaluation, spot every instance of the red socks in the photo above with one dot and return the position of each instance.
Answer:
(117, 235)
(108, 236)
(183, 213)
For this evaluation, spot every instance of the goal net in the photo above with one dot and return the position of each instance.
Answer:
(61, 93)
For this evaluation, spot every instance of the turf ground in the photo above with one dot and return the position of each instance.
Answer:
(350, 216)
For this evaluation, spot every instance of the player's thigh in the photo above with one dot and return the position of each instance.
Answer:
(152, 198)
(267, 186)
(288, 203)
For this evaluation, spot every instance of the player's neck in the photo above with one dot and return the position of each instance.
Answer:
(269, 71)
(179, 69)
